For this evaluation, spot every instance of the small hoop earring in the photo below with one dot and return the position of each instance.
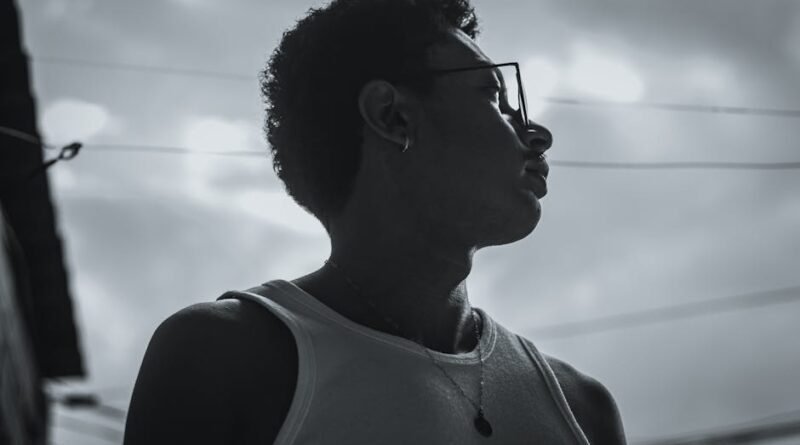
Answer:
(406, 144)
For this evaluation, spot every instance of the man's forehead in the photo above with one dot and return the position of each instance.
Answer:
(458, 50)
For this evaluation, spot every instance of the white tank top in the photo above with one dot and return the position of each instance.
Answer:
(356, 385)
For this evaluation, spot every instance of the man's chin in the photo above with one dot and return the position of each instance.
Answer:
(520, 227)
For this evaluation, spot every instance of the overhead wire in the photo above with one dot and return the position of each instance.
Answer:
(66, 153)
(677, 107)
(668, 313)
(23, 136)
(691, 165)
(697, 108)
(740, 433)
(172, 150)
(682, 165)
(26, 137)
(143, 68)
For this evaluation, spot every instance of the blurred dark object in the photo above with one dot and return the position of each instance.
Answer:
(23, 412)
(34, 287)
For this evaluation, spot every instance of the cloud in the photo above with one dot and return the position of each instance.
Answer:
(216, 133)
(708, 76)
(234, 186)
(212, 133)
(604, 75)
(177, 252)
(67, 120)
(277, 208)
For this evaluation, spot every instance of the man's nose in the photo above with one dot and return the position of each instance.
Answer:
(537, 137)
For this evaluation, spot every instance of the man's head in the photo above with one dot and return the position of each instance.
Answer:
(352, 83)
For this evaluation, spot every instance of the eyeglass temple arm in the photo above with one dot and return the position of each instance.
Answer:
(523, 105)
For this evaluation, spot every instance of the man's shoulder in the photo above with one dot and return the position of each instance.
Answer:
(228, 312)
(230, 327)
(591, 403)
(211, 365)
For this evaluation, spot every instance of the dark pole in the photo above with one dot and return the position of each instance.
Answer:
(41, 285)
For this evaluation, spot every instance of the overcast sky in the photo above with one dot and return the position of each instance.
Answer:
(147, 234)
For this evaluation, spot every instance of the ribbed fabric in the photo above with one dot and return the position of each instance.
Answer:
(356, 385)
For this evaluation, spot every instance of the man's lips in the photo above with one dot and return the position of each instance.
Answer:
(536, 171)
(536, 182)
(538, 166)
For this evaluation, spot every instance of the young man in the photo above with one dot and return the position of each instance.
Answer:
(388, 123)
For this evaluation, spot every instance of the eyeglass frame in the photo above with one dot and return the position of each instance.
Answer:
(523, 102)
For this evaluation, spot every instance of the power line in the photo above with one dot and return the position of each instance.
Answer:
(67, 152)
(173, 150)
(144, 68)
(25, 137)
(683, 165)
(21, 135)
(659, 315)
(677, 107)
(735, 434)
(700, 165)
(575, 164)
(774, 419)
(716, 109)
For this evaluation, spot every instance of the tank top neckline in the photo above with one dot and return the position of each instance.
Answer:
(487, 342)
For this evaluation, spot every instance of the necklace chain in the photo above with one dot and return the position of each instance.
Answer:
(478, 406)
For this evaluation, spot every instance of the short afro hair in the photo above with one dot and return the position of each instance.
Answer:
(313, 78)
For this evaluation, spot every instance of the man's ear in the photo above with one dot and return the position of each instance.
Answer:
(385, 110)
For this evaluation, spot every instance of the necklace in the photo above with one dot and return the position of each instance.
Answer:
(481, 423)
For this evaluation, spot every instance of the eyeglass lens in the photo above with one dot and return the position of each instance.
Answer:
(511, 94)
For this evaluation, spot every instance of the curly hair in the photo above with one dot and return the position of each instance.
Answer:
(313, 78)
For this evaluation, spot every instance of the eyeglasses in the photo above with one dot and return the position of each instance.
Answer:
(512, 102)
(515, 103)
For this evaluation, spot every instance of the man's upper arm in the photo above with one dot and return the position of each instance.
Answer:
(200, 377)
(591, 403)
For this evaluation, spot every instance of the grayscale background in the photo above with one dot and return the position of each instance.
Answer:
(147, 233)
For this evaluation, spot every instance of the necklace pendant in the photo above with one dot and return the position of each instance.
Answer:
(482, 425)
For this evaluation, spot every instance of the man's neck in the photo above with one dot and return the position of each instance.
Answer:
(412, 271)
(426, 299)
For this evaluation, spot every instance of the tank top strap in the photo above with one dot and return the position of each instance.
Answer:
(272, 300)
(554, 387)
